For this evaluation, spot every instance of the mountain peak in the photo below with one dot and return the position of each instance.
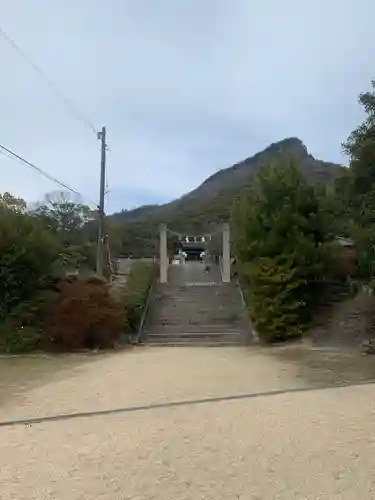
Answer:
(290, 145)
(211, 202)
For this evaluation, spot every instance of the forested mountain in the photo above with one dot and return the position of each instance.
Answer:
(135, 231)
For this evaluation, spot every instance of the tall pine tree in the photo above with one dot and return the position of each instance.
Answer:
(359, 188)
(280, 236)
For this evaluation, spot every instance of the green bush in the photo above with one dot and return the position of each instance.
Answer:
(28, 258)
(23, 329)
(136, 293)
(280, 243)
(69, 315)
(37, 303)
(275, 299)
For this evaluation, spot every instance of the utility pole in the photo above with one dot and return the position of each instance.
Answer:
(100, 252)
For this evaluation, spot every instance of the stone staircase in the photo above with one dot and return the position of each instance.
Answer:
(202, 312)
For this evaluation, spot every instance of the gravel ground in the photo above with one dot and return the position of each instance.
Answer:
(314, 444)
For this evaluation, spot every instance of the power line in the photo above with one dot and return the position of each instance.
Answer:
(72, 107)
(13, 155)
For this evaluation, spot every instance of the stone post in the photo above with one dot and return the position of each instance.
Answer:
(226, 254)
(163, 258)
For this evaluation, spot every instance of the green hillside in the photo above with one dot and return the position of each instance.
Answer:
(135, 231)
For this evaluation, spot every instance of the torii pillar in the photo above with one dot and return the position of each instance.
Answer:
(163, 258)
(226, 254)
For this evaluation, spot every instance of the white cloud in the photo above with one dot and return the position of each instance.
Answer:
(184, 88)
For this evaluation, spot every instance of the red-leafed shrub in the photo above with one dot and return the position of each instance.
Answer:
(85, 316)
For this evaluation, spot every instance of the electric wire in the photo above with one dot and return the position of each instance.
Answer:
(11, 154)
(68, 103)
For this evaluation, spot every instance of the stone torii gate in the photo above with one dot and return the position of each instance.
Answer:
(164, 260)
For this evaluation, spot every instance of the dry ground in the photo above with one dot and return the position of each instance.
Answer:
(311, 443)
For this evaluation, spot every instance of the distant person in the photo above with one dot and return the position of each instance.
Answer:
(206, 260)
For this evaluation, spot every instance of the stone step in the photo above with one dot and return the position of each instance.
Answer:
(195, 329)
(214, 312)
(220, 289)
(196, 309)
(217, 312)
(183, 317)
(170, 309)
(196, 314)
(197, 296)
(205, 303)
(199, 288)
(217, 288)
(198, 332)
(205, 299)
(193, 343)
(188, 321)
(184, 338)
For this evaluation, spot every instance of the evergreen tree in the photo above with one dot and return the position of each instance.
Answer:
(280, 235)
(28, 255)
(358, 188)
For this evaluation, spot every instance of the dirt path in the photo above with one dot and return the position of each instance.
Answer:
(307, 444)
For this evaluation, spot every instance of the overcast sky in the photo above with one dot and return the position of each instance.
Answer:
(184, 87)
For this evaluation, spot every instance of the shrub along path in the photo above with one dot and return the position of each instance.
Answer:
(290, 444)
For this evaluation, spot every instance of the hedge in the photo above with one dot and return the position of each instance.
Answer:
(136, 293)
